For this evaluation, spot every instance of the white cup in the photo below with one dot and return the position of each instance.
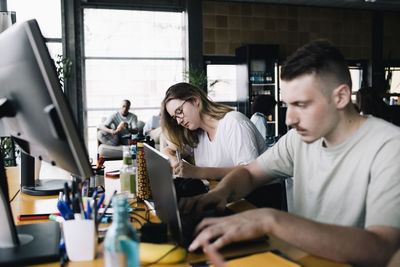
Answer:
(80, 239)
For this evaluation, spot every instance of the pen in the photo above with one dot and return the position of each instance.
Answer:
(60, 196)
(106, 208)
(66, 194)
(42, 216)
(56, 218)
(178, 155)
(100, 201)
(95, 194)
(65, 211)
(96, 222)
(114, 171)
(88, 210)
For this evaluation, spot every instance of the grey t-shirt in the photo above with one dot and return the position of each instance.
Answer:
(115, 119)
(356, 183)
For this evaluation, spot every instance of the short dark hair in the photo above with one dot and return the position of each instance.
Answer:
(126, 101)
(263, 104)
(319, 57)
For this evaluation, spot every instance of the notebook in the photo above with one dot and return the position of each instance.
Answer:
(165, 199)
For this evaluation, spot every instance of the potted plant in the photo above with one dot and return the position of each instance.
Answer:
(198, 78)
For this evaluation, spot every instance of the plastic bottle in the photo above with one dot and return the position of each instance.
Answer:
(128, 172)
(119, 232)
(134, 186)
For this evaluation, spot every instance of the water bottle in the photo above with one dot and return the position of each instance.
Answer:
(119, 234)
(127, 174)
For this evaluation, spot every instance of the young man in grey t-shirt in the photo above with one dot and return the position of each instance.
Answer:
(345, 169)
(119, 126)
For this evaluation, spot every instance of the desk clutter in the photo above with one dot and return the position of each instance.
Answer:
(87, 218)
(81, 233)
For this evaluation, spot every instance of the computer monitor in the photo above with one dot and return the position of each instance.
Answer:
(34, 110)
(36, 114)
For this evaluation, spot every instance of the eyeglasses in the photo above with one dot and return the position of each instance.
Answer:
(179, 112)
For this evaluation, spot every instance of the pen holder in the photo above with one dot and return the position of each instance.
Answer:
(80, 239)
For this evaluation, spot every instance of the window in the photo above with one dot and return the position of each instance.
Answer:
(221, 79)
(221, 83)
(392, 75)
(394, 79)
(356, 78)
(48, 15)
(130, 54)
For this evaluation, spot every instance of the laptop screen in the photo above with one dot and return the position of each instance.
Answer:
(163, 191)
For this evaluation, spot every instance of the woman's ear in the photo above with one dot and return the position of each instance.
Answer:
(196, 101)
(342, 96)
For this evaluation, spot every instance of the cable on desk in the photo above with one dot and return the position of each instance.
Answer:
(160, 258)
(133, 202)
(11, 200)
(145, 218)
(136, 219)
(147, 214)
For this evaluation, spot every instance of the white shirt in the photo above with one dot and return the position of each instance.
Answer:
(237, 141)
(260, 122)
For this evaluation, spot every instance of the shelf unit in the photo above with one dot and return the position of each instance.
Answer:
(257, 73)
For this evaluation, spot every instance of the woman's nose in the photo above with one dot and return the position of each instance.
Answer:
(179, 120)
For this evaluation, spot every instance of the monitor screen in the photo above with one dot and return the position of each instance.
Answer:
(33, 107)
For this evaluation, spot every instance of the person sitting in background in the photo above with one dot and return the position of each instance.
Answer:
(262, 108)
(151, 124)
(220, 137)
(344, 167)
(152, 128)
(119, 126)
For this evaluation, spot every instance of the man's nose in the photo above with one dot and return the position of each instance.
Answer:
(291, 117)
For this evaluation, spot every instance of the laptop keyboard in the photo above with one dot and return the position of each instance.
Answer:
(190, 221)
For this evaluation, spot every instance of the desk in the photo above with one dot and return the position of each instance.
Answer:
(32, 204)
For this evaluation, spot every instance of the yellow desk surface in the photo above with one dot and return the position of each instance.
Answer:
(25, 204)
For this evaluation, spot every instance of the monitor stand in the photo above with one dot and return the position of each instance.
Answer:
(38, 243)
(29, 243)
(30, 186)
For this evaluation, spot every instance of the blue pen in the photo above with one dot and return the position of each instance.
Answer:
(65, 211)
(61, 209)
(68, 210)
(95, 194)
(88, 213)
(100, 201)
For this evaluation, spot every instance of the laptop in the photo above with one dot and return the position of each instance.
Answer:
(166, 203)
(164, 194)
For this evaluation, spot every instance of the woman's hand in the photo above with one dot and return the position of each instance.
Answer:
(186, 170)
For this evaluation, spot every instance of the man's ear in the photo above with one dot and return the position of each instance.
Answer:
(342, 96)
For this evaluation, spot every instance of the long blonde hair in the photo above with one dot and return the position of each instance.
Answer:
(181, 136)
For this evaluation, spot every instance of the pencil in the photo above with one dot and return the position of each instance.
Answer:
(42, 216)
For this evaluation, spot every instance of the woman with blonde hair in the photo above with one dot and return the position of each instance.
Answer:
(219, 137)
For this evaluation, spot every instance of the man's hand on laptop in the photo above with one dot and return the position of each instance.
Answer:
(239, 227)
(199, 203)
